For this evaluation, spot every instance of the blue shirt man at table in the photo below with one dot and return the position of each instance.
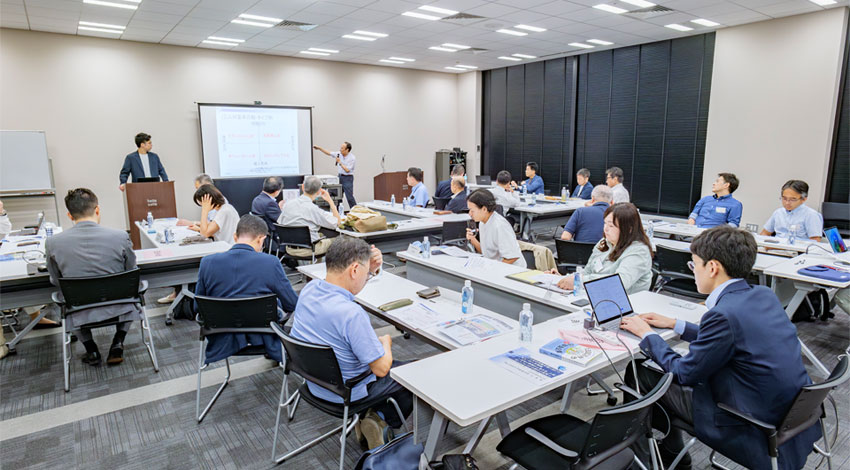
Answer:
(794, 215)
(744, 353)
(419, 193)
(587, 223)
(534, 183)
(444, 188)
(244, 271)
(720, 208)
(142, 163)
(328, 314)
(584, 190)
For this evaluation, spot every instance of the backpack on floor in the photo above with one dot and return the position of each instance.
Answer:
(398, 454)
(815, 305)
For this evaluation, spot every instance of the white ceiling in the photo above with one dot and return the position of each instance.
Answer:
(188, 22)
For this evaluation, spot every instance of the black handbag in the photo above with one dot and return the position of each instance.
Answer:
(455, 462)
(398, 454)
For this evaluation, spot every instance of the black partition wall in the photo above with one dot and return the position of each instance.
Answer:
(642, 108)
(838, 179)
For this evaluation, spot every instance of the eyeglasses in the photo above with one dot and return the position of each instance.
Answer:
(794, 199)
(691, 265)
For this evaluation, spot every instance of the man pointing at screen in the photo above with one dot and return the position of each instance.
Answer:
(345, 167)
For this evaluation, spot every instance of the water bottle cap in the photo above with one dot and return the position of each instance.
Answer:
(467, 283)
(526, 306)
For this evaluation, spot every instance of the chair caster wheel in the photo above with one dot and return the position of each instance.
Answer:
(612, 401)
(169, 322)
(406, 335)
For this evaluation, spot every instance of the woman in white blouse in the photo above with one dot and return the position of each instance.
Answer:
(222, 227)
(498, 241)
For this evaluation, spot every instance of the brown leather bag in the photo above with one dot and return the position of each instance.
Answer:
(372, 224)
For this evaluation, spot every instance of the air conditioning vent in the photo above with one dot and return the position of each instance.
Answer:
(290, 25)
(463, 18)
(650, 12)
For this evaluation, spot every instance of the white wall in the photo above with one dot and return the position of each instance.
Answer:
(774, 93)
(92, 95)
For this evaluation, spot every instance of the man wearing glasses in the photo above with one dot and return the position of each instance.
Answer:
(794, 216)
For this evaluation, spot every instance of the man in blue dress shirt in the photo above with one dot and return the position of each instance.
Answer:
(327, 314)
(584, 188)
(419, 193)
(534, 183)
(720, 208)
(794, 215)
(244, 271)
(444, 188)
(744, 353)
(587, 223)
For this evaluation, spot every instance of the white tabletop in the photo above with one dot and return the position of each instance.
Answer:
(388, 287)
(161, 251)
(550, 207)
(411, 225)
(764, 241)
(17, 268)
(788, 269)
(465, 386)
(413, 212)
(763, 261)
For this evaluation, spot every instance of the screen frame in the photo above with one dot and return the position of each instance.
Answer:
(593, 304)
(254, 105)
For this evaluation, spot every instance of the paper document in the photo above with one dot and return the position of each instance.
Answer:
(606, 339)
(455, 251)
(520, 362)
(476, 262)
(421, 316)
(476, 328)
(153, 253)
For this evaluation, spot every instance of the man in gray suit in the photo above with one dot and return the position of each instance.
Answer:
(88, 249)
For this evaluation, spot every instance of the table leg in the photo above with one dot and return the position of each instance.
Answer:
(18, 337)
(814, 359)
(504, 424)
(796, 301)
(435, 434)
(415, 419)
(184, 292)
(479, 433)
(565, 401)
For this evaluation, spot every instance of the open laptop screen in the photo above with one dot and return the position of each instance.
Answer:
(608, 298)
(834, 239)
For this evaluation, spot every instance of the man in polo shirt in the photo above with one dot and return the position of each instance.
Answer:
(419, 193)
(327, 314)
(587, 223)
(720, 208)
(302, 212)
(345, 161)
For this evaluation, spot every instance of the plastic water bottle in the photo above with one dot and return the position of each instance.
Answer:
(526, 320)
(48, 229)
(340, 209)
(404, 204)
(578, 287)
(467, 295)
(533, 199)
(792, 234)
(426, 247)
(392, 200)
(150, 219)
(524, 190)
(565, 194)
(650, 229)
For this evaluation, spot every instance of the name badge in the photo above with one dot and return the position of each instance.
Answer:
(720, 210)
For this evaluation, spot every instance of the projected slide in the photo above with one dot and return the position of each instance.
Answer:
(257, 142)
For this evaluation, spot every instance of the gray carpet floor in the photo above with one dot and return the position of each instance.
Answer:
(130, 417)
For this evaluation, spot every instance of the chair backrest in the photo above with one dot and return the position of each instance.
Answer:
(483, 179)
(293, 236)
(669, 261)
(806, 408)
(573, 252)
(441, 202)
(453, 231)
(836, 214)
(614, 429)
(499, 209)
(254, 313)
(315, 362)
(97, 291)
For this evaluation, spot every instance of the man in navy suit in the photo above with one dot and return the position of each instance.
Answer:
(142, 163)
(584, 190)
(444, 188)
(744, 353)
(458, 202)
(265, 205)
(244, 271)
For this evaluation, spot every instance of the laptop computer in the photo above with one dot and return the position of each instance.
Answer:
(31, 229)
(153, 179)
(835, 240)
(610, 302)
(483, 179)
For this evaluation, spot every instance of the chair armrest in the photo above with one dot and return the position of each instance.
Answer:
(352, 382)
(143, 287)
(629, 390)
(766, 428)
(534, 434)
(57, 298)
(284, 316)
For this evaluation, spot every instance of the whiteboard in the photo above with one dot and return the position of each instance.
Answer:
(23, 161)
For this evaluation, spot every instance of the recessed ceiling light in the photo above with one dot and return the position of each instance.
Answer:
(111, 4)
(704, 22)
(504, 57)
(403, 59)
(525, 56)
(530, 28)
(252, 23)
(101, 30)
(581, 45)
(438, 10)
(444, 49)
(600, 42)
(369, 33)
(216, 38)
(678, 27)
(511, 32)
(824, 3)
(360, 38)
(421, 16)
(640, 3)
(313, 53)
(329, 51)
(260, 18)
(456, 69)
(390, 61)
(455, 46)
(610, 8)
(101, 25)
(470, 67)
(219, 43)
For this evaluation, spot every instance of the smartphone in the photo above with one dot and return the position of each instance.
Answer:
(581, 302)
(429, 293)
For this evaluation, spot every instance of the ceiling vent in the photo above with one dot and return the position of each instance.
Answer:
(475, 50)
(650, 12)
(290, 25)
(463, 19)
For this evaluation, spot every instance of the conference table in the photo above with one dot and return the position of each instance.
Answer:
(765, 242)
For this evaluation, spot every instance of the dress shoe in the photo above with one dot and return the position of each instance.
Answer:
(92, 358)
(116, 354)
(45, 325)
(167, 299)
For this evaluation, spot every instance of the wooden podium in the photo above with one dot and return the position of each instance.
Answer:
(141, 198)
(387, 184)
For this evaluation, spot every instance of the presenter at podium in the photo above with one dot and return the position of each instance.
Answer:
(142, 163)
(345, 167)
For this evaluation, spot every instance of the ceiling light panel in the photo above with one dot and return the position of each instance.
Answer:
(515, 59)
(600, 42)
(511, 32)
(705, 22)
(111, 4)
(442, 11)
(533, 29)
(679, 27)
(581, 45)
(421, 16)
(610, 8)
(524, 56)
(639, 3)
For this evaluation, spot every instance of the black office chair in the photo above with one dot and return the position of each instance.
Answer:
(318, 364)
(453, 233)
(674, 275)
(81, 293)
(837, 214)
(483, 179)
(572, 254)
(441, 202)
(564, 441)
(806, 410)
(249, 315)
